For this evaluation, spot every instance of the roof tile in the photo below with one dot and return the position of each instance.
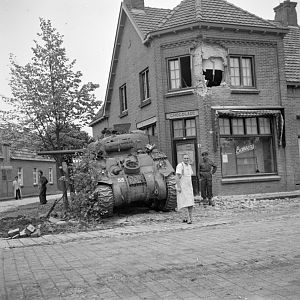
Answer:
(212, 11)
(292, 54)
(148, 20)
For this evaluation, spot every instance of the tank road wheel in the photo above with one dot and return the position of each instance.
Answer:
(171, 201)
(105, 199)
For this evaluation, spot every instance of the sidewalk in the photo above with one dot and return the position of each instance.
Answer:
(261, 196)
(10, 204)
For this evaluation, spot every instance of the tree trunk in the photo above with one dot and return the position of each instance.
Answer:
(63, 182)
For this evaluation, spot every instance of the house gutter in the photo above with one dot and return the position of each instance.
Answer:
(221, 26)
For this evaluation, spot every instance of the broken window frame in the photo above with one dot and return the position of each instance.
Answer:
(144, 85)
(243, 73)
(123, 98)
(177, 82)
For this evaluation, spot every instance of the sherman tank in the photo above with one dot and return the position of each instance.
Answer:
(131, 170)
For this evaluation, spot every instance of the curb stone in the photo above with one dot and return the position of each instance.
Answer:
(109, 233)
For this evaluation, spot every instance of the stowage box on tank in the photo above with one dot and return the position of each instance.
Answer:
(130, 170)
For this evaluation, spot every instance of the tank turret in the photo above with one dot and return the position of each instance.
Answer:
(132, 170)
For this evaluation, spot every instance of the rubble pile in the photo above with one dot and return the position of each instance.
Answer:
(246, 202)
(29, 230)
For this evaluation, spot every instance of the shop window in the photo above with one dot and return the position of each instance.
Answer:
(20, 175)
(241, 71)
(180, 73)
(184, 128)
(35, 176)
(123, 98)
(144, 85)
(51, 175)
(247, 146)
(150, 130)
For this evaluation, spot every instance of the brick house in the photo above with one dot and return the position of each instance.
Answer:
(25, 165)
(207, 75)
(286, 15)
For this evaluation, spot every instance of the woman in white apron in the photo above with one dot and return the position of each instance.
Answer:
(185, 196)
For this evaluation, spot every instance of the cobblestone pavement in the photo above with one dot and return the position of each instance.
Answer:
(255, 256)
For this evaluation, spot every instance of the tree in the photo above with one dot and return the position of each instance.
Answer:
(16, 135)
(48, 93)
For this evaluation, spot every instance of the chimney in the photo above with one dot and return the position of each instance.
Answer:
(134, 4)
(286, 13)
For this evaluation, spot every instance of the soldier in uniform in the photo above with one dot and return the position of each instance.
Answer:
(206, 169)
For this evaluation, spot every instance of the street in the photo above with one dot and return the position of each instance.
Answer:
(250, 256)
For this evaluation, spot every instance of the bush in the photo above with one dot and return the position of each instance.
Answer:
(87, 171)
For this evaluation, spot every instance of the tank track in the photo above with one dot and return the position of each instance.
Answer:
(171, 201)
(105, 199)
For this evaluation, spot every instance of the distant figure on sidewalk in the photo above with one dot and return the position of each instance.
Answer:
(206, 168)
(17, 188)
(185, 195)
(43, 187)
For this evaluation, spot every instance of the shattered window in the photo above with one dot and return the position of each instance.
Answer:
(213, 77)
(180, 72)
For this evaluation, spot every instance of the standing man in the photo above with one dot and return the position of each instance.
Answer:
(207, 168)
(43, 187)
(17, 188)
(185, 195)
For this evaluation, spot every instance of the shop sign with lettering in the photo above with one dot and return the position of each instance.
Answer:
(240, 150)
(181, 114)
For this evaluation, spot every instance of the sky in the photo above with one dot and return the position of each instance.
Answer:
(88, 27)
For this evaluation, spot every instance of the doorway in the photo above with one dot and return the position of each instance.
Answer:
(188, 147)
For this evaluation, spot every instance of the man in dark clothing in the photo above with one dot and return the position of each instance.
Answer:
(43, 187)
(206, 169)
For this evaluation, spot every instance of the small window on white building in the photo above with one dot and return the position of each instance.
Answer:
(20, 175)
(50, 175)
(35, 176)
